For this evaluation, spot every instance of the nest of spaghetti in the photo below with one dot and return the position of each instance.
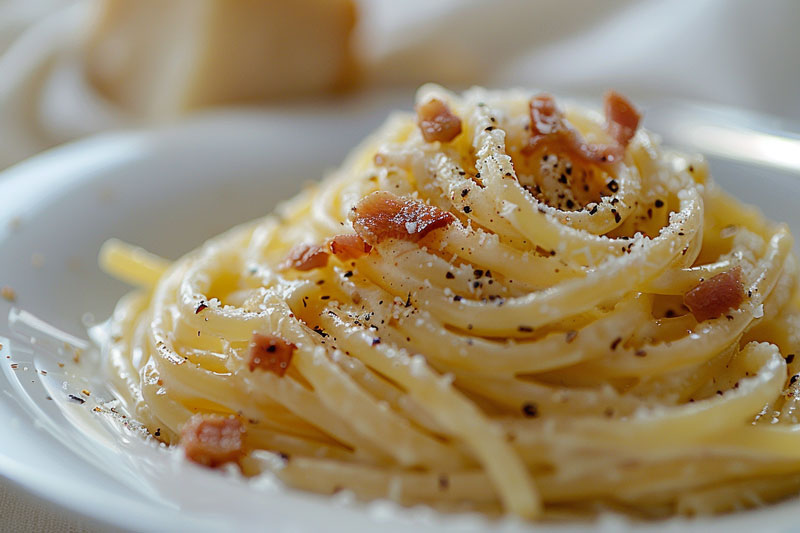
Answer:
(498, 303)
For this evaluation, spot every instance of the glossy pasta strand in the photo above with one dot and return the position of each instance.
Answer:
(512, 331)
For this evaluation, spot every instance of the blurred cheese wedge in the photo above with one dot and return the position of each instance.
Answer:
(159, 58)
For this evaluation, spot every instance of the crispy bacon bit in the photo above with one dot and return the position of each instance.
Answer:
(305, 257)
(350, 246)
(550, 129)
(213, 440)
(8, 294)
(715, 296)
(622, 119)
(382, 215)
(546, 118)
(437, 122)
(270, 353)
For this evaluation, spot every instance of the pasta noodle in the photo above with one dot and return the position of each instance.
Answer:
(493, 305)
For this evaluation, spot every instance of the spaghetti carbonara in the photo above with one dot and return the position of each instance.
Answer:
(496, 304)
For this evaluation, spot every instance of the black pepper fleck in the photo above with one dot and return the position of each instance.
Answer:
(530, 410)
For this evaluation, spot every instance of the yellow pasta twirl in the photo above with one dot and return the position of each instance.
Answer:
(495, 304)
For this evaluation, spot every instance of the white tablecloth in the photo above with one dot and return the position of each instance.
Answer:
(21, 512)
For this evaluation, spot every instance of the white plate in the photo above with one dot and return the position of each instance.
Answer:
(168, 191)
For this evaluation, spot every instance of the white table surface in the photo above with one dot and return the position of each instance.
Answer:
(21, 511)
